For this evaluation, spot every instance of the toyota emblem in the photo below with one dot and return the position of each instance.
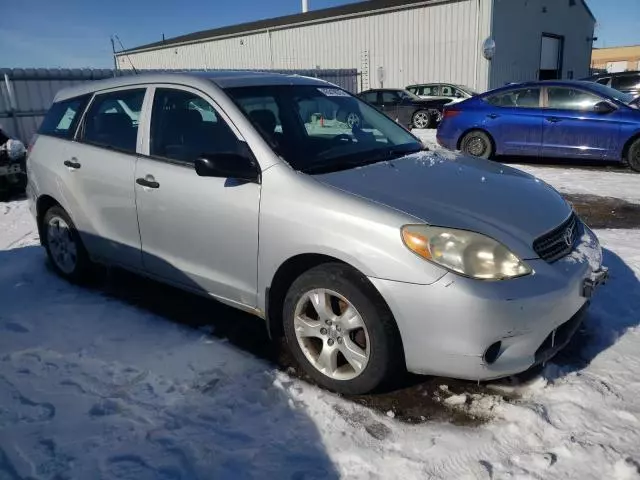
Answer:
(568, 236)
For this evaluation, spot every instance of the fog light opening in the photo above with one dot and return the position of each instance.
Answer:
(491, 355)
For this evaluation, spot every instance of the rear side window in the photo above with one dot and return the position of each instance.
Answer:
(62, 118)
(371, 97)
(112, 120)
(519, 98)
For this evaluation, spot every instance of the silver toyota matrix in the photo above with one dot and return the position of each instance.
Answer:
(291, 199)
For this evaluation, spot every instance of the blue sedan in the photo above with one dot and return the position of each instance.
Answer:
(568, 119)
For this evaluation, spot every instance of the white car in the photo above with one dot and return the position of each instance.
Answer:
(431, 91)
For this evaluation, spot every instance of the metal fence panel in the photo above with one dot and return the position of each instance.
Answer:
(27, 94)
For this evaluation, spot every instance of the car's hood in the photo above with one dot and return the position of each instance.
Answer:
(446, 189)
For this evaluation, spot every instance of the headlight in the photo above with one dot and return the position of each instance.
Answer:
(467, 253)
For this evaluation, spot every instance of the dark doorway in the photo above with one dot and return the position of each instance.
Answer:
(551, 55)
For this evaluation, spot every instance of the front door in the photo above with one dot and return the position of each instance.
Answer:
(572, 129)
(515, 121)
(101, 166)
(198, 232)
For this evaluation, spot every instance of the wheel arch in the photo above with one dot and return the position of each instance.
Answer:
(478, 129)
(43, 204)
(627, 145)
(284, 277)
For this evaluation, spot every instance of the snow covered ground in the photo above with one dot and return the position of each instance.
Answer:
(93, 388)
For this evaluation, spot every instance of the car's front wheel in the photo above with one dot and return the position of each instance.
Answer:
(477, 144)
(64, 246)
(340, 330)
(633, 155)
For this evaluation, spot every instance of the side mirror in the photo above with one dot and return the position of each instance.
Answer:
(603, 107)
(227, 165)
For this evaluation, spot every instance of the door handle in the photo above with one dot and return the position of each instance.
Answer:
(493, 116)
(72, 163)
(553, 119)
(148, 182)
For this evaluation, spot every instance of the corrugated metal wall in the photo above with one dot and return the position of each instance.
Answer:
(26, 94)
(438, 41)
(518, 26)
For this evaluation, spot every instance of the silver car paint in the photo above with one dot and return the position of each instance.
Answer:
(355, 216)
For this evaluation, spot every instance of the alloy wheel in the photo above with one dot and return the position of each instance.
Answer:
(476, 146)
(421, 120)
(63, 248)
(331, 334)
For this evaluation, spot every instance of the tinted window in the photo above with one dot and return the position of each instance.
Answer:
(112, 119)
(521, 98)
(348, 132)
(626, 82)
(184, 127)
(371, 97)
(571, 99)
(389, 98)
(603, 81)
(62, 117)
(447, 91)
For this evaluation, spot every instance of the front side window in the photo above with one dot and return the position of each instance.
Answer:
(317, 128)
(185, 127)
(62, 118)
(447, 91)
(112, 120)
(517, 98)
(603, 81)
(571, 99)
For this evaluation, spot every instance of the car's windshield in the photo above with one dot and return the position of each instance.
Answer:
(611, 92)
(322, 128)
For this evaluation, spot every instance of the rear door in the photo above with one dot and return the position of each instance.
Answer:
(390, 101)
(100, 167)
(514, 120)
(573, 130)
(197, 232)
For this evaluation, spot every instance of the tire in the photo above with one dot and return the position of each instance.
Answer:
(64, 246)
(422, 119)
(370, 338)
(477, 144)
(632, 158)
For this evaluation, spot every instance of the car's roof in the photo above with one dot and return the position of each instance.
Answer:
(222, 78)
(544, 83)
(384, 90)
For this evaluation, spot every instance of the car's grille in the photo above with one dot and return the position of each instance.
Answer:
(559, 242)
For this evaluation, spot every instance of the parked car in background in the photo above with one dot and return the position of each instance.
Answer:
(431, 91)
(13, 173)
(627, 82)
(568, 119)
(405, 107)
(338, 237)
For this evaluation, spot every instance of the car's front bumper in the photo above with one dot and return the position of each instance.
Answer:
(448, 327)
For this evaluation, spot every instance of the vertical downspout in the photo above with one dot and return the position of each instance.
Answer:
(477, 54)
(270, 51)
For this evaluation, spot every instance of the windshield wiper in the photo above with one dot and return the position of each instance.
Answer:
(363, 158)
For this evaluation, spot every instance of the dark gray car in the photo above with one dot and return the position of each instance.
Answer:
(405, 107)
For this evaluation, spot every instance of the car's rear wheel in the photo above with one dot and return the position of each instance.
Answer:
(633, 155)
(477, 144)
(340, 330)
(64, 246)
(422, 119)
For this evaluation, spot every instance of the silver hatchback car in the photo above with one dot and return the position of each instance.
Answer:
(367, 252)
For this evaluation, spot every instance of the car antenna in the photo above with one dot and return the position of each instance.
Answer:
(126, 54)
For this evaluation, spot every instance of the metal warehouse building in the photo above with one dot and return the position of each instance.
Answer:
(480, 43)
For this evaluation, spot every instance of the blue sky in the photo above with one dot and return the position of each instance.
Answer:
(75, 33)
